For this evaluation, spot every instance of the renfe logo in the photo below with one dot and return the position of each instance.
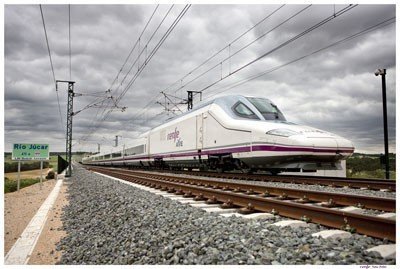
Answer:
(174, 135)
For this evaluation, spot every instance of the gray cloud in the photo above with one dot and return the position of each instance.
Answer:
(334, 90)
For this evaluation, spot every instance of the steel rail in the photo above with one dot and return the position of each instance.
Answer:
(363, 224)
(341, 199)
(373, 184)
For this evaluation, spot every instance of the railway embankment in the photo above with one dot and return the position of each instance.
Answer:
(109, 222)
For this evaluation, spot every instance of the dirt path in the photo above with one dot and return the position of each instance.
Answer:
(20, 207)
(45, 250)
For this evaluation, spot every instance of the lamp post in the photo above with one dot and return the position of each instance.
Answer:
(382, 72)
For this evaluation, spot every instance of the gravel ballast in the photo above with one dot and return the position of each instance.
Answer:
(108, 222)
(306, 187)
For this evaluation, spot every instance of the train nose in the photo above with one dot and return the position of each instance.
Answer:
(327, 143)
(332, 144)
(344, 146)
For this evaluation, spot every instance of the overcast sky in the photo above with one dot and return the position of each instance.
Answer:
(334, 90)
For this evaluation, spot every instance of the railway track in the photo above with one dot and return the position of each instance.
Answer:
(328, 199)
(371, 184)
(283, 201)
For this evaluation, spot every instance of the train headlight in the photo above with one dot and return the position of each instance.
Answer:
(282, 132)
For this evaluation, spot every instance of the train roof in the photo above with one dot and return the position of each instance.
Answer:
(223, 101)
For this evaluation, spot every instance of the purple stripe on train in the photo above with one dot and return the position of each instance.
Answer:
(243, 149)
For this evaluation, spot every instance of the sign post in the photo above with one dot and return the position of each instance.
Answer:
(30, 152)
(41, 174)
(19, 175)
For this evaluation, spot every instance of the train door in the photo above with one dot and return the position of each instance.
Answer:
(199, 131)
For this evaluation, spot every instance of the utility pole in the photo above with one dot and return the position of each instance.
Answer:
(98, 147)
(116, 140)
(70, 114)
(382, 72)
(190, 99)
(68, 150)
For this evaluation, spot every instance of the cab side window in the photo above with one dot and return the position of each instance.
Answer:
(243, 111)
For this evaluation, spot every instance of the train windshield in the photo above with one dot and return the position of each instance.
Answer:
(267, 109)
(243, 111)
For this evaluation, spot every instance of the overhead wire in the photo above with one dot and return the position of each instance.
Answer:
(69, 40)
(152, 53)
(244, 47)
(214, 55)
(134, 46)
(225, 47)
(280, 46)
(319, 24)
(353, 36)
(144, 64)
(132, 65)
(155, 49)
(287, 42)
(271, 51)
(52, 67)
(377, 26)
(137, 42)
(109, 104)
(145, 46)
(241, 49)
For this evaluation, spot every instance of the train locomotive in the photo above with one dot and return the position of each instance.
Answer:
(232, 132)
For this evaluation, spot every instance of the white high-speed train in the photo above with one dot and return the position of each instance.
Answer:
(232, 132)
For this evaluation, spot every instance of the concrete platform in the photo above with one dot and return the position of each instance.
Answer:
(23, 247)
(391, 216)
(352, 209)
(332, 234)
(291, 223)
(386, 251)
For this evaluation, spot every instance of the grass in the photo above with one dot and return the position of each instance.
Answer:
(11, 185)
(27, 174)
(378, 174)
(53, 162)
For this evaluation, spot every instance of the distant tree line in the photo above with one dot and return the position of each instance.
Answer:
(366, 163)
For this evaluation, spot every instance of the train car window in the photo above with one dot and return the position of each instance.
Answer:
(116, 155)
(267, 109)
(135, 150)
(243, 111)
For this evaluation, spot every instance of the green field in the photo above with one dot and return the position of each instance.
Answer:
(52, 161)
(369, 166)
(379, 174)
(11, 185)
